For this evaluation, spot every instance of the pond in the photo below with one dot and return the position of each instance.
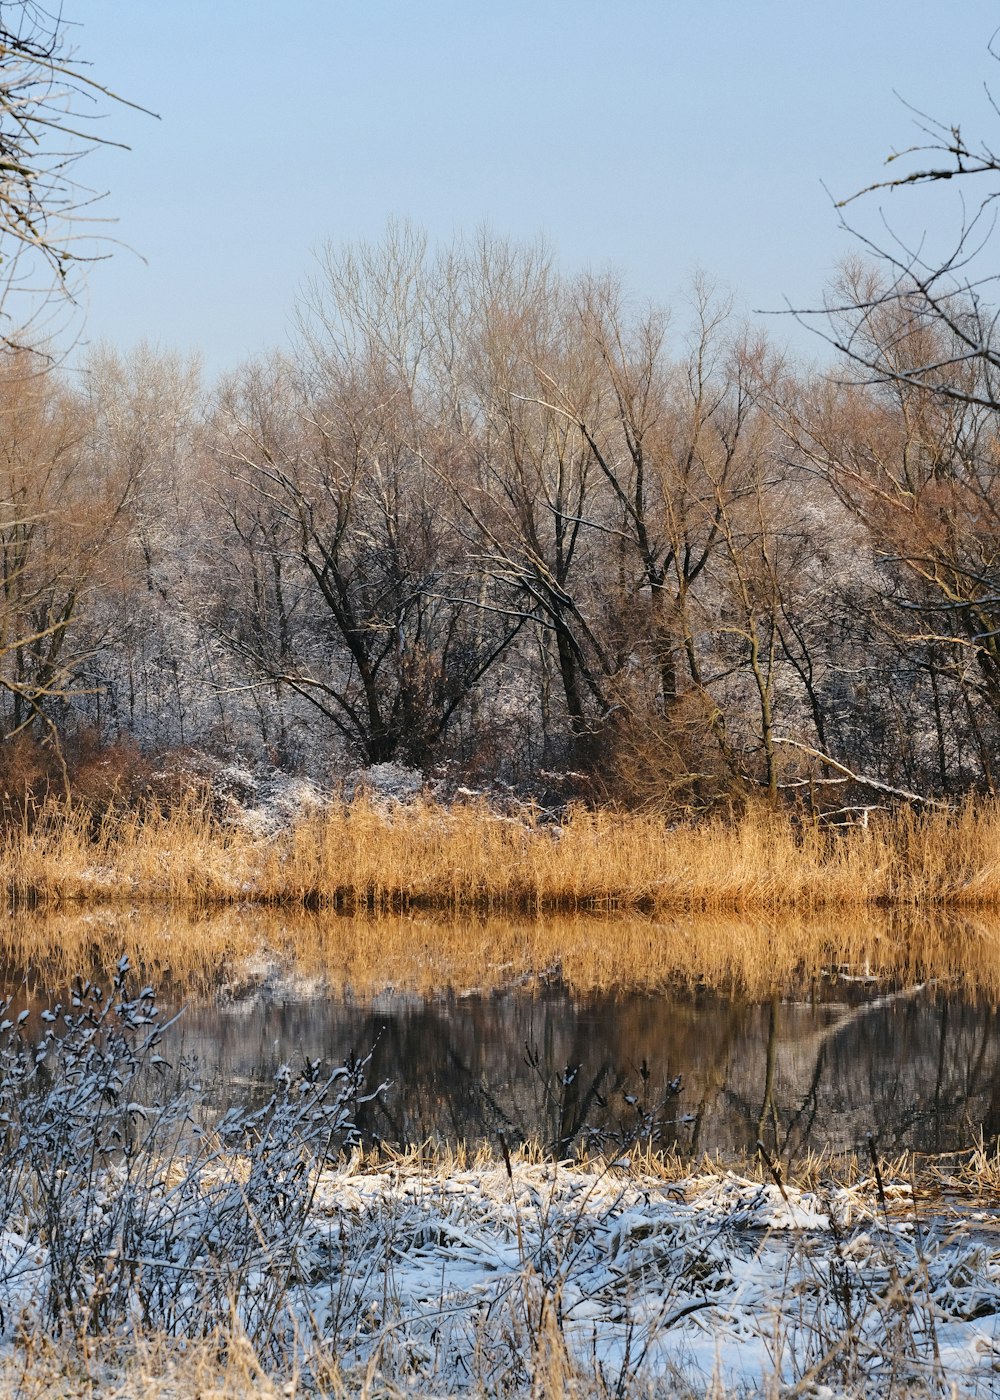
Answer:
(809, 1058)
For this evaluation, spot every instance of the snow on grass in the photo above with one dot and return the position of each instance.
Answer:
(441, 1280)
(267, 803)
(715, 1278)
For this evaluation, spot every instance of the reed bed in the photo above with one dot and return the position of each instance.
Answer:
(361, 856)
(193, 953)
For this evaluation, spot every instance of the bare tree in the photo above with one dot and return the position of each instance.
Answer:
(60, 514)
(49, 109)
(144, 425)
(388, 643)
(906, 437)
(917, 472)
(949, 293)
(529, 488)
(677, 446)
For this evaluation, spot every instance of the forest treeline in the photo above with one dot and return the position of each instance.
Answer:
(491, 520)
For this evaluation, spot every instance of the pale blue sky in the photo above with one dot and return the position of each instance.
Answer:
(653, 137)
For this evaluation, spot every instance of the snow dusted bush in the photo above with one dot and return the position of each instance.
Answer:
(386, 782)
(124, 1203)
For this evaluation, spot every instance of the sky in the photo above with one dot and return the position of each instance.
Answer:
(655, 137)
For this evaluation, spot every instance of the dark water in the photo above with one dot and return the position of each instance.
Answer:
(820, 1067)
(919, 1069)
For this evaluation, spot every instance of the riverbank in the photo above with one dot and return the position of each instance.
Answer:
(437, 1275)
(160, 1241)
(369, 855)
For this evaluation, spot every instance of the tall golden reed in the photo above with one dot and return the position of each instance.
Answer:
(359, 856)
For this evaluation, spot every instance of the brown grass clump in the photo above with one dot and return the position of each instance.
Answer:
(359, 856)
(223, 1366)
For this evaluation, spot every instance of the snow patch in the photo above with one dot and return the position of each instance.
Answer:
(386, 782)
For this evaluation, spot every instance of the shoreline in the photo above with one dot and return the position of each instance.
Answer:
(448, 1276)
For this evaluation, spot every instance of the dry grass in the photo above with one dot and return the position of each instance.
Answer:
(223, 1365)
(194, 951)
(968, 1177)
(357, 856)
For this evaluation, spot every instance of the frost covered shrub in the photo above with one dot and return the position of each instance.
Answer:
(123, 1203)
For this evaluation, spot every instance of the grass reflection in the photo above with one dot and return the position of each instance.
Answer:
(196, 952)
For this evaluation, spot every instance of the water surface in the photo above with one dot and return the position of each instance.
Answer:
(918, 1067)
(813, 1056)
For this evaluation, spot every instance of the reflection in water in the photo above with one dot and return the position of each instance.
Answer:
(540, 1063)
(808, 1059)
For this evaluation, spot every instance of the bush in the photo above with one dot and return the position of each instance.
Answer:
(125, 1204)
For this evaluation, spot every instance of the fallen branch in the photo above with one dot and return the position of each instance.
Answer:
(872, 783)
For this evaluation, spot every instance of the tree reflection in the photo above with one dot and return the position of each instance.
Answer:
(919, 1068)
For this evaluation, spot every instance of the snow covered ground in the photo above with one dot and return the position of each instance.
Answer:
(712, 1280)
(443, 1280)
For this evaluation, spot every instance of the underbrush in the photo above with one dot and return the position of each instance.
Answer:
(364, 855)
